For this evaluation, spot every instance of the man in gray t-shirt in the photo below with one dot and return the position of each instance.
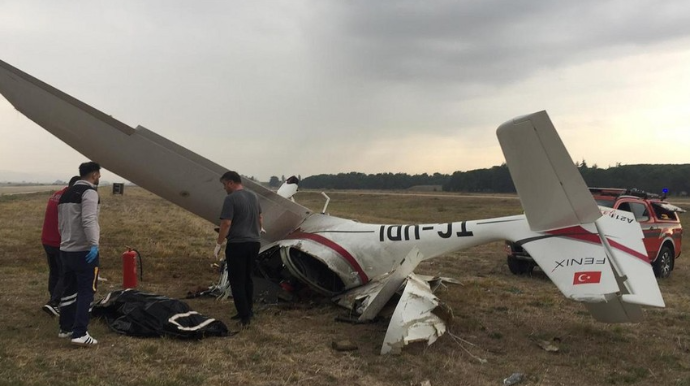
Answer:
(241, 225)
(242, 208)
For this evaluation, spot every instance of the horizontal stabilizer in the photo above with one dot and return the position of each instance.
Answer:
(615, 311)
(551, 189)
(622, 238)
(602, 265)
(575, 261)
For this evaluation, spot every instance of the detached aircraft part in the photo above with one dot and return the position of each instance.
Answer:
(413, 319)
(289, 188)
(391, 283)
(592, 257)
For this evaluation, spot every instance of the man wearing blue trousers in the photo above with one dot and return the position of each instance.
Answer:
(79, 231)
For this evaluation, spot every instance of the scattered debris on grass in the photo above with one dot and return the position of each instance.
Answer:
(514, 379)
(344, 345)
(547, 346)
(460, 342)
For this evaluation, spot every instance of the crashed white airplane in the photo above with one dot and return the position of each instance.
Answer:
(362, 265)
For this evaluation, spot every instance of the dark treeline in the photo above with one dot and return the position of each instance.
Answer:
(650, 178)
(384, 181)
(494, 180)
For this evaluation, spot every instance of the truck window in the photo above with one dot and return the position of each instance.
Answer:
(637, 209)
(640, 211)
(663, 214)
(624, 206)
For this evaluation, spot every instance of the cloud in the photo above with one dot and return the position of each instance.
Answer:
(331, 86)
(492, 42)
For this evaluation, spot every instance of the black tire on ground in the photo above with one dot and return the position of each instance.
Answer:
(518, 266)
(663, 265)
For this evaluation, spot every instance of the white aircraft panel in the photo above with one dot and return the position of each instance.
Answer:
(551, 189)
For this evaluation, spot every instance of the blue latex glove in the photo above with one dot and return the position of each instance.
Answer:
(91, 256)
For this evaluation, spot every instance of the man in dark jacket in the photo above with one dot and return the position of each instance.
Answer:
(80, 232)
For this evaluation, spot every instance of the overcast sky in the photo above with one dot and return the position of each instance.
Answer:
(310, 87)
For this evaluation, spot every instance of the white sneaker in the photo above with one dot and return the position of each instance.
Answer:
(64, 334)
(85, 340)
(51, 310)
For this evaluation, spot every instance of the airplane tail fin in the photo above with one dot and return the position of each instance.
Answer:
(595, 258)
(544, 174)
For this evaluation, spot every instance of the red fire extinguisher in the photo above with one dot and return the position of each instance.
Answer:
(129, 268)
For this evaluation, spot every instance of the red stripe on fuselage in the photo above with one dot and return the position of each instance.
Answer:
(580, 233)
(335, 247)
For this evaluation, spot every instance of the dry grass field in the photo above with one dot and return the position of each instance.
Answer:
(499, 318)
(6, 189)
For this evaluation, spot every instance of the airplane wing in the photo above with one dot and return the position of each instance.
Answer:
(172, 171)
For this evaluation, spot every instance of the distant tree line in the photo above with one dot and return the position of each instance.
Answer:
(494, 180)
(380, 181)
(650, 178)
(647, 177)
(275, 182)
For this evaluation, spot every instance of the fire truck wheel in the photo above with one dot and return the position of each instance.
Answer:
(519, 267)
(663, 263)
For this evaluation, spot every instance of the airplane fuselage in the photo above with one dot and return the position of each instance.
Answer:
(358, 252)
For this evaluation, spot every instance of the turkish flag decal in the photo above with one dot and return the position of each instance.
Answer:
(592, 277)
